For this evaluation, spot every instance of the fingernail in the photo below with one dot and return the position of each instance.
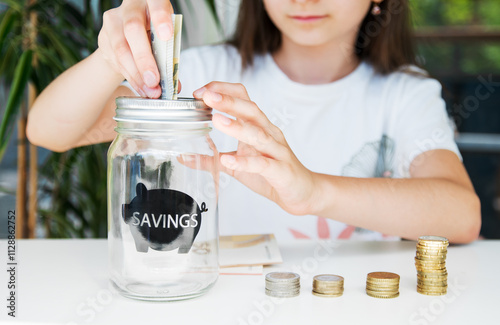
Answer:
(216, 97)
(224, 119)
(150, 92)
(199, 92)
(165, 32)
(150, 79)
(228, 160)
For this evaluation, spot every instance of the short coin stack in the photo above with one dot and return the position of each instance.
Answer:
(328, 285)
(282, 284)
(382, 285)
(432, 277)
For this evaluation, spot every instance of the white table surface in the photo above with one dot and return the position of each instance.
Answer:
(66, 282)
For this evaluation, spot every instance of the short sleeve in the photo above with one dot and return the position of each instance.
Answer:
(421, 122)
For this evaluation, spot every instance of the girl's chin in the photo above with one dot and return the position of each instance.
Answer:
(309, 40)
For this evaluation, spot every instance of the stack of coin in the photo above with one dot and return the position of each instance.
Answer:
(328, 285)
(382, 285)
(282, 284)
(432, 277)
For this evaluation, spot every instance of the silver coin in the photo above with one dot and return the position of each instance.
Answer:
(433, 238)
(282, 277)
(285, 285)
(283, 294)
(282, 288)
(328, 277)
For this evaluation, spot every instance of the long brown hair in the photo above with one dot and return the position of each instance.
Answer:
(385, 40)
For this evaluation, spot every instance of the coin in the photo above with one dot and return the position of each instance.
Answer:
(282, 284)
(333, 295)
(382, 296)
(382, 285)
(328, 285)
(288, 294)
(430, 262)
(433, 238)
(282, 277)
(383, 276)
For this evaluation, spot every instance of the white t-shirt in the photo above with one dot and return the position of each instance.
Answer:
(364, 125)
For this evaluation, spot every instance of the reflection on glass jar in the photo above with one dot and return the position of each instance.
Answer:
(162, 200)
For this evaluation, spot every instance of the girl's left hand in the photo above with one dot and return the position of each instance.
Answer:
(263, 160)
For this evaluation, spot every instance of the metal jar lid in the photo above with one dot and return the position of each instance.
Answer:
(145, 110)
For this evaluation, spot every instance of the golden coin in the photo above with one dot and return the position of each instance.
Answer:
(429, 262)
(430, 256)
(383, 276)
(432, 249)
(432, 293)
(383, 296)
(432, 290)
(326, 295)
(330, 278)
(440, 268)
(328, 285)
(432, 283)
(383, 283)
(382, 292)
(433, 274)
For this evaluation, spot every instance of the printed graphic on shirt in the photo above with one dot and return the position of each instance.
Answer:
(163, 219)
(375, 159)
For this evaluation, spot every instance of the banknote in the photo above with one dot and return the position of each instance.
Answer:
(166, 54)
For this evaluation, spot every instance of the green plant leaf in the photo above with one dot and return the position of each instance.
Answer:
(21, 77)
(68, 230)
(213, 9)
(14, 4)
(8, 20)
(66, 52)
(48, 57)
(7, 64)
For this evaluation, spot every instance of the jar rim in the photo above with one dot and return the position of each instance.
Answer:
(182, 110)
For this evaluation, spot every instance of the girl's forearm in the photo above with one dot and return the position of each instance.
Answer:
(71, 104)
(408, 208)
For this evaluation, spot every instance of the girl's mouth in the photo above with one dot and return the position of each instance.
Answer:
(308, 18)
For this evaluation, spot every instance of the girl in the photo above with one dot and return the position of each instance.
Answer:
(328, 127)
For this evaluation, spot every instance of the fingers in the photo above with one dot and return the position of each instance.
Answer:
(233, 89)
(161, 12)
(198, 161)
(269, 168)
(235, 103)
(252, 135)
(238, 106)
(113, 44)
(134, 28)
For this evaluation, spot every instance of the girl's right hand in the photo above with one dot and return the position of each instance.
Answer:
(124, 41)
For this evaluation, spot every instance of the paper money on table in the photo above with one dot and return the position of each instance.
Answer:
(248, 250)
(166, 54)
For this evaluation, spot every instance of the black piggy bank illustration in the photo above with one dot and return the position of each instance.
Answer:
(163, 219)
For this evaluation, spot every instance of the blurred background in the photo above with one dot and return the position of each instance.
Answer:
(60, 195)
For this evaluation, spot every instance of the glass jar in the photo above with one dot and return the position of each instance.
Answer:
(162, 200)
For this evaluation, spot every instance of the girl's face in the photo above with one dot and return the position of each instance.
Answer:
(318, 22)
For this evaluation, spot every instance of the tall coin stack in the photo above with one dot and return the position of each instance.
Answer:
(328, 285)
(432, 277)
(282, 284)
(382, 285)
